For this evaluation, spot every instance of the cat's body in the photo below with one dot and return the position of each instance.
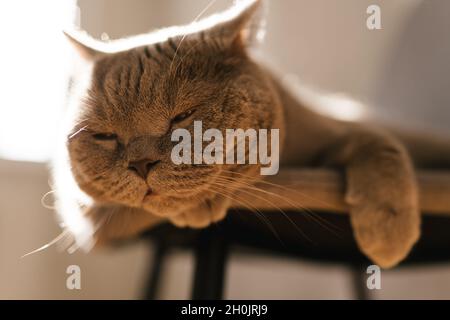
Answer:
(119, 143)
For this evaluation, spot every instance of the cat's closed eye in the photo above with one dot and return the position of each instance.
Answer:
(105, 136)
(109, 141)
(183, 116)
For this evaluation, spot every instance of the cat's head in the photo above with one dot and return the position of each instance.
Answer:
(122, 118)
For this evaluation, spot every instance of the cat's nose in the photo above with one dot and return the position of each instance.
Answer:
(142, 167)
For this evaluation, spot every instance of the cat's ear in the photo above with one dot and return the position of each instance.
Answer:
(85, 46)
(242, 25)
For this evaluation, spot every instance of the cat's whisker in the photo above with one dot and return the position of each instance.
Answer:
(61, 236)
(77, 133)
(190, 50)
(312, 214)
(309, 213)
(253, 209)
(108, 220)
(281, 211)
(79, 122)
(243, 184)
(73, 248)
(43, 200)
(258, 180)
(182, 58)
(65, 243)
(209, 5)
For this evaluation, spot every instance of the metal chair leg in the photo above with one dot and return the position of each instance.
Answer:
(159, 254)
(210, 259)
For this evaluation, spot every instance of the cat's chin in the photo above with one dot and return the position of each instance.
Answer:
(150, 195)
(163, 206)
(200, 217)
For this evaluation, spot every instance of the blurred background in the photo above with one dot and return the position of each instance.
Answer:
(398, 73)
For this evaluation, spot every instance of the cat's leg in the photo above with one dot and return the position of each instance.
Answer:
(428, 151)
(115, 222)
(203, 214)
(382, 194)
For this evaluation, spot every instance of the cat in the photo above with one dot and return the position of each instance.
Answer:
(113, 175)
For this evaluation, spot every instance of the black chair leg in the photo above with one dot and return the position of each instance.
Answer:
(359, 282)
(210, 263)
(160, 251)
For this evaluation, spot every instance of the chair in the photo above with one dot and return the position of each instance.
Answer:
(327, 234)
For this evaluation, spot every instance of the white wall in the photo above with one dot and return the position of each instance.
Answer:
(325, 42)
(26, 225)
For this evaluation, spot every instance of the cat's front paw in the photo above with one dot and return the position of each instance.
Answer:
(203, 215)
(386, 231)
